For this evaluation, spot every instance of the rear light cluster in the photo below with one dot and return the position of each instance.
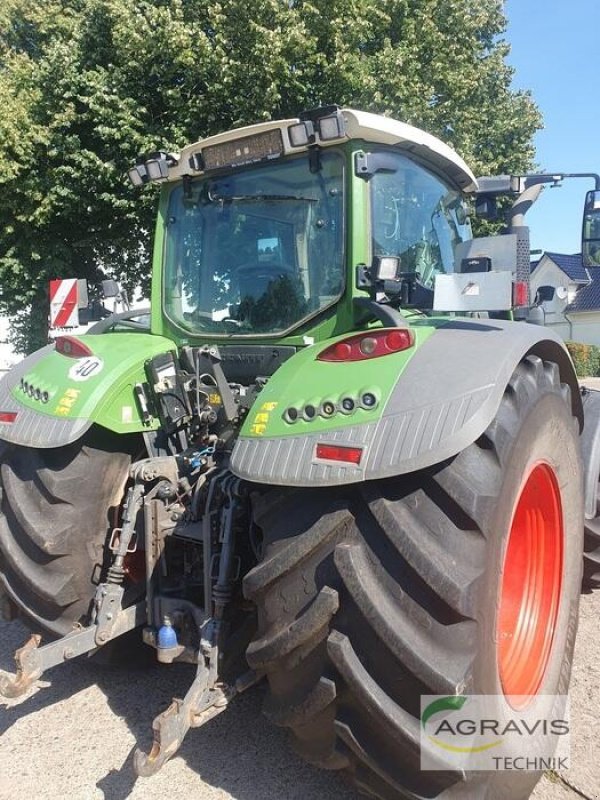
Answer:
(72, 347)
(367, 400)
(380, 342)
(34, 391)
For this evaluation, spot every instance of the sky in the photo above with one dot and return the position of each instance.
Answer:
(554, 51)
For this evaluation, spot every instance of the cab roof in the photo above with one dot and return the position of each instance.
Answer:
(357, 125)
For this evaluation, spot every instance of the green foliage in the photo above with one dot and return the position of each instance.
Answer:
(86, 85)
(29, 327)
(586, 358)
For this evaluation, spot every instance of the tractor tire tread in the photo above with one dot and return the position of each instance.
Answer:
(367, 599)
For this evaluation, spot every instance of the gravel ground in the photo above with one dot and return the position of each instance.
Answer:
(74, 737)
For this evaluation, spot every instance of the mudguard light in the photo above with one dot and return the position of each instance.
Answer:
(7, 417)
(72, 347)
(381, 342)
(335, 452)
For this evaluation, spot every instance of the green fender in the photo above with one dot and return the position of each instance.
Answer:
(50, 399)
(432, 402)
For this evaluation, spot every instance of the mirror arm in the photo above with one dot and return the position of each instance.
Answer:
(592, 175)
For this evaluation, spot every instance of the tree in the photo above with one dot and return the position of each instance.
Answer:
(86, 85)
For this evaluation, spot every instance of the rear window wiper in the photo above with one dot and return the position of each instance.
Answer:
(258, 198)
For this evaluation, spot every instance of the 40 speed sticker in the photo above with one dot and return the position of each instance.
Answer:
(86, 368)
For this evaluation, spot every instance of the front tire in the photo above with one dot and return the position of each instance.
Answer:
(370, 597)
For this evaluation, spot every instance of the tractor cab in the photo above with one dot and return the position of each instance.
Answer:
(258, 235)
(256, 251)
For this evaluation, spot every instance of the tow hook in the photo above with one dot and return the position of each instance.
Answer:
(199, 705)
(169, 728)
(208, 695)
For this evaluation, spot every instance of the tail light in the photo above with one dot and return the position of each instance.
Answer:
(7, 417)
(380, 342)
(72, 347)
(520, 294)
(335, 452)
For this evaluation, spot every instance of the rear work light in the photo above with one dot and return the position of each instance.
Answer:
(301, 134)
(336, 452)
(72, 347)
(7, 417)
(380, 342)
(331, 127)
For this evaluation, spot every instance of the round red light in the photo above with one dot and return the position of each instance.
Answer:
(397, 340)
(342, 351)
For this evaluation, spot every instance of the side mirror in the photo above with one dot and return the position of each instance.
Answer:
(486, 207)
(590, 234)
(82, 293)
(110, 288)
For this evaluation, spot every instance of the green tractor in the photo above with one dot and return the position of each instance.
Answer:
(332, 459)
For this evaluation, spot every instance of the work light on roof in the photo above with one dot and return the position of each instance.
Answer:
(138, 175)
(158, 166)
(152, 167)
(326, 122)
(301, 134)
(331, 127)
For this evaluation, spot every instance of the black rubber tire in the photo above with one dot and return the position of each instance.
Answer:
(371, 596)
(57, 508)
(591, 555)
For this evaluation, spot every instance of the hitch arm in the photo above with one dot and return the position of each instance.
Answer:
(32, 660)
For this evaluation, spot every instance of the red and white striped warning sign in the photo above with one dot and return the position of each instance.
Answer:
(64, 312)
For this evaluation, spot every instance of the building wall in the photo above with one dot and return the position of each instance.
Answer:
(548, 274)
(586, 327)
(580, 326)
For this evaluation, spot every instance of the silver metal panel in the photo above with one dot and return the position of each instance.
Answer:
(473, 291)
(290, 460)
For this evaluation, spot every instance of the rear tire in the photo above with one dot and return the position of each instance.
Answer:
(370, 596)
(591, 556)
(57, 508)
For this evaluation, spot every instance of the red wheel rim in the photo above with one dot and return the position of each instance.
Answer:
(531, 586)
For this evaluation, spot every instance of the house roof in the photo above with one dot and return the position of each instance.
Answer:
(587, 297)
(571, 265)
